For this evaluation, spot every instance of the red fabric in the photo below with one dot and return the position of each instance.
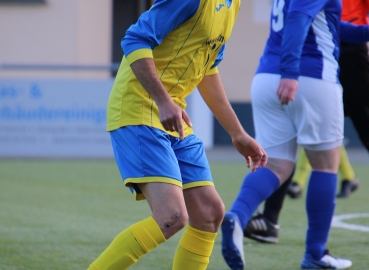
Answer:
(355, 11)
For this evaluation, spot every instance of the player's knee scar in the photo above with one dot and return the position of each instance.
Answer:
(175, 218)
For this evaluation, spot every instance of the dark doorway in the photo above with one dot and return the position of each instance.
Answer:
(125, 13)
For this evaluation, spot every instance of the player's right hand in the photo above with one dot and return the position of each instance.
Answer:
(251, 150)
(171, 116)
(286, 90)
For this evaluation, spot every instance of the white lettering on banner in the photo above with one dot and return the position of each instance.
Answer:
(54, 118)
(67, 118)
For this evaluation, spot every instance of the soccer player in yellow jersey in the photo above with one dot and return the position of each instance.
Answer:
(173, 48)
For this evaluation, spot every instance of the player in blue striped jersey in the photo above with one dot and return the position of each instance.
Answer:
(297, 100)
(311, 33)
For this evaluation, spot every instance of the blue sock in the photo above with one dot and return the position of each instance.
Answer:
(256, 187)
(320, 204)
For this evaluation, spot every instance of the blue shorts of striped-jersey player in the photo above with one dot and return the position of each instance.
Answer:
(147, 155)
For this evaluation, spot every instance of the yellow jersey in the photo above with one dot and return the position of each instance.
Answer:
(186, 39)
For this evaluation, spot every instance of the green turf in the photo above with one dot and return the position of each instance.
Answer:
(62, 214)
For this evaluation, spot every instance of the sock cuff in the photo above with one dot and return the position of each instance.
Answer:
(147, 233)
(268, 173)
(322, 188)
(263, 174)
(318, 174)
(197, 241)
(322, 183)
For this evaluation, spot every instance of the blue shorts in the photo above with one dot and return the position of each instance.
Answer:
(146, 155)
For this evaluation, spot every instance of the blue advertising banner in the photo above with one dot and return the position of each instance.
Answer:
(54, 118)
(66, 118)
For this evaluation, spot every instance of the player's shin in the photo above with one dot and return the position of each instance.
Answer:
(130, 245)
(194, 249)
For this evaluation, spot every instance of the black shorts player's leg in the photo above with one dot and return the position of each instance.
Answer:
(354, 77)
(273, 205)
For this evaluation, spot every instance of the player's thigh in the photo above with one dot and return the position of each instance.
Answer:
(165, 200)
(317, 113)
(282, 168)
(205, 208)
(324, 160)
(282, 159)
(273, 126)
(145, 155)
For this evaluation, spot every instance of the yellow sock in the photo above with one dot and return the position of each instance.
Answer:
(130, 245)
(345, 169)
(194, 249)
(302, 170)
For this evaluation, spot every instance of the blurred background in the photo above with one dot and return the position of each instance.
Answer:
(58, 59)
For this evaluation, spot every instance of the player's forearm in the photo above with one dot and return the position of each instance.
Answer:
(145, 71)
(212, 91)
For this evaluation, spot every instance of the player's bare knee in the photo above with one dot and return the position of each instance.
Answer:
(177, 220)
(212, 216)
(219, 211)
(172, 223)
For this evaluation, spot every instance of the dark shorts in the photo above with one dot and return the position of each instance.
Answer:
(354, 78)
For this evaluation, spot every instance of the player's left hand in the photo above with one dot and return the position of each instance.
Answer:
(287, 90)
(251, 150)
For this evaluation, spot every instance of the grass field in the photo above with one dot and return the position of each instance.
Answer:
(62, 214)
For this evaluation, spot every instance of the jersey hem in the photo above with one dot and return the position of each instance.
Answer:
(110, 127)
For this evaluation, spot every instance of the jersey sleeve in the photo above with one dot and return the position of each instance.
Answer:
(296, 27)
(351, 33)
(153, 25)
(298, 20)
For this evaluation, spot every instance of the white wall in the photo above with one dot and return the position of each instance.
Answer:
(58, 32)
(79, 32)
(245, 48)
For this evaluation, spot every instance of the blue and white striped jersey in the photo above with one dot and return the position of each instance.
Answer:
(304, 39)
